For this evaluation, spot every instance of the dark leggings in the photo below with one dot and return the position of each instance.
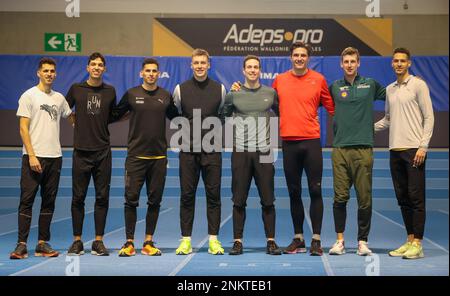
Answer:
(409, 185)
(84, 165)
(307, 155)
(245, 167)
(30, 181)
(152, 172)
(209, 166)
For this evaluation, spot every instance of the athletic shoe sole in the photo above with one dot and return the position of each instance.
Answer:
(364, 254)
(337, 253)
(148, 254)
(415, 257)
(395, 255)
(299, 250)
(56, 254)
(126, 255)
(274, 254)
(99, 254)
(16, 256)
(217, 253)
(75, 254)
(183, 253)
(235, 254)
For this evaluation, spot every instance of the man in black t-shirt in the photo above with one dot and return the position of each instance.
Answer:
(93, 101)
(148, 106)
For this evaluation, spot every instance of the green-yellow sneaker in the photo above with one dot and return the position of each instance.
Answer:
(400, 251)
(185, 247)
(215, 247)
(415, 251)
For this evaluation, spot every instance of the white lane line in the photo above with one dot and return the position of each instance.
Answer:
(6, 215)
(399, 225)
(53, 259)
(190, 256)
(53, 221)
(326, 263)
(444, 212)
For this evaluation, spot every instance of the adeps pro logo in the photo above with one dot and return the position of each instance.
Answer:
(259, 36)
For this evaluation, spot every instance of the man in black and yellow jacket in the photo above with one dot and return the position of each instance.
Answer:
(148, 105)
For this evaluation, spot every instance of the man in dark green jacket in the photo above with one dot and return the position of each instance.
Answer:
(352, 154)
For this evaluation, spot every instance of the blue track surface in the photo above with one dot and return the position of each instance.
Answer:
(387, 228)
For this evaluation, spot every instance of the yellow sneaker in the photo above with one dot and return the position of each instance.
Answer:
(415, 251)
(215, 247)
(184, 248)
(150, 249)
(127, 250)
(400, 251)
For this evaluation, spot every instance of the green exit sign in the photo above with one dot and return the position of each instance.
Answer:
(63, 42)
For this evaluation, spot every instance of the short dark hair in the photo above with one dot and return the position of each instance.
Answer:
(148, 61)
(251, 57)
(46, 60)
(96, 55)
(403, 50)
(301, 45)
(350, 51)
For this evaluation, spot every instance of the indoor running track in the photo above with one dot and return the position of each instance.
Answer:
(387, 228)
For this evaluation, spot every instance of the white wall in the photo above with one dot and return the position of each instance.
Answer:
(306, 7)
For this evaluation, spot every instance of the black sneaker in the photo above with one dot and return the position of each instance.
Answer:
(45, 250)
(76, 249)
(99, 249)
(297, 246)
(272, 248)
(237, 248)
(20, 252)
(316, 249)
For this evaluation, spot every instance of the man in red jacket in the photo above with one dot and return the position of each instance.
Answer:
(301, 91)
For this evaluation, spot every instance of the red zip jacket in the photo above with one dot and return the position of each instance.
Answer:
(299, 98)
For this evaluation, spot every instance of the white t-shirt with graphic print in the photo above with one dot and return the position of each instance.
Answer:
(44, 111)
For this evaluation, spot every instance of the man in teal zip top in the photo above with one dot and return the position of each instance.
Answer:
(352, 155)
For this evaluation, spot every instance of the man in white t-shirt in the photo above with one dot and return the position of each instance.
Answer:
(40, 109)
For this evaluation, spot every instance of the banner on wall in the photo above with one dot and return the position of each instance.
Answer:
(270, 37)
(123, 73)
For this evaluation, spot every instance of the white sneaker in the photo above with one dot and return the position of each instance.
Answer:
(338, 248)
(363, 249)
